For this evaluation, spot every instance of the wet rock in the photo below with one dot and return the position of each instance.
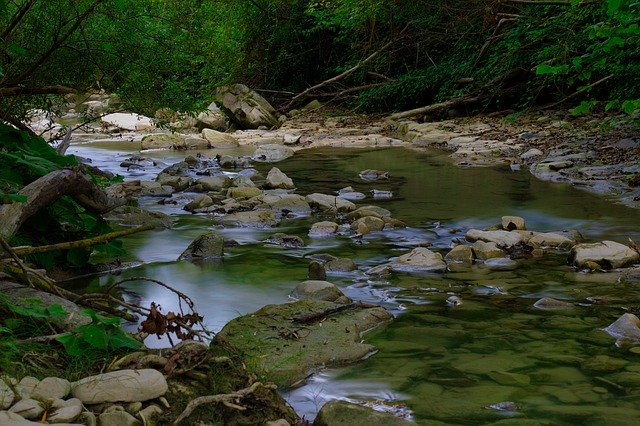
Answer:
(319, 290)
(487, 250)
(120, 418)
(372, 224)
(460, 254)
(161, 141)
(272, 153)
(501, 264)
(243, 192)
(342, 413)
(245, 107)
(502, 238)
(604, 364)
(277, 179)
(135, 216)
(625, 328)
(329, 202)
(229, 162)
(128, 121)
(218, 139)
(28, 408)
(62, 411)
(364, 211)
(6, 395)
(544, 240)
(294, 354)
(323, 229)
(250, 219)
(316, 271)
(420, 259)
(607, 254)
(549, 303)
(531, 155)
(342, 264)
(348, 193)
(243, 182)
(284, 204)
(370, 175)
(511, 223)
(509, 379)
(284, 240)
(381, 195)
(200, 202)
(51, 388)
(453, 301)
(207, 246)
(211, 183)
(120, 386)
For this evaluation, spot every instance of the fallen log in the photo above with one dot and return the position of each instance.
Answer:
(463, 100)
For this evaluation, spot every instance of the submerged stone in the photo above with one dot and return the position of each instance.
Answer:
(342, 413)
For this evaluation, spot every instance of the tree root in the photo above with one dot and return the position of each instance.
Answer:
(228, 399)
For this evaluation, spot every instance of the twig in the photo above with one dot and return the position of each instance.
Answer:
(7, 247)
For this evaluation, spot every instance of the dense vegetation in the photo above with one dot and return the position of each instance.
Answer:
(162, 53)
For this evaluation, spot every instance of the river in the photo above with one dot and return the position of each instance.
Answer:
(493, 358)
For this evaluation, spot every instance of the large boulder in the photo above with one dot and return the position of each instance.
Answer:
(212, 118)
(206, 247)
(219, 140)
(342, 413)
(128, 121)
(501, 238)
(607, 254)
(120, 386)
(329, 202)
(162, 141)
(420, 259)
(277, 179)
(246, 108)
(272, 153)
(319, 290)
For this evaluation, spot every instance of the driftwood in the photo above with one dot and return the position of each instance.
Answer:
(49, 188)
(463, 100)
(319, 316)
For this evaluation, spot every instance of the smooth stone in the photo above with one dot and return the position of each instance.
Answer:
(6, 395)
(243, 181)
(272, 153)
(329, 202)
(550, 240)
(123, 385)
(243, 192)
(150, 414)
(607, 254)
(503, 238)
(250, 219)
(460, 254)
(511, 223)
(319, 290)
(200, 202)
(342, 264)
(342, 413)
(161, 141)
(212, 183)
(62, 411)
(285, 240)
(323, 229)
(277, 179)
(209, 245)
(627, 327)
(28, 408)
(284, 204)
(487, 250)
(128, 121)
(7, 418)
(51, 388)
(501, 264)
(218, 139)
(420, 259)
(372, 223)
(509, 379)
(374, 211)
(548, 303)
(25, 387)
(117, 418)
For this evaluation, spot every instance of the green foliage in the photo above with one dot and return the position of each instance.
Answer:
(102, 334)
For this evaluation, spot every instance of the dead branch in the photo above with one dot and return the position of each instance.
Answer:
(580, 91)
(64, 145)
(338, 77)
(42, 90)
(228, 399)
(10, 119)
(463, 100)
(7, 247)
(47, 189)
(86, 243)
(318, 316)
(494, 36)
(346, 91)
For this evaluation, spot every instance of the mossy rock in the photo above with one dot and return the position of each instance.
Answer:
(282, 351)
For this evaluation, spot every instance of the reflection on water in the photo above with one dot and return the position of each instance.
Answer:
(495, 357)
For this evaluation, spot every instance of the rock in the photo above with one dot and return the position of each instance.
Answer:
(206, 247)
(316, 271)
(502, 238)
(243, 182)
(342, 264)
(192, 142)
(211, 183)
(7, 418)
(453, 301)
(487, 250)
(460, 254)
(25, 387)
(531, 154)
(329, 202)
(229, 162)
(135, 216)
(284, 240)
(372, 223)
(625, 328)
(243, 192)
(548, 303)
(245, 107)
(51, 388)
(323, 229)
(550, 240)
(336, 341)
(120, 386)
(117, 418)
(6, 395)
(374, 211)
(272, 153)
(212, 119)
(219, 140)
(277, 179)
(200, 202)
(607, 254)
(511, 223)
(62, 411)
(285, 204)
(348, 193)
(150, 414)
(509, 379)
(603, 364)
(250, 219)
(162, 141)
(342, 413)
(370, 175)
(420, 259)
(319, 290)
(28, 408)
(501, 264)
(128, 121)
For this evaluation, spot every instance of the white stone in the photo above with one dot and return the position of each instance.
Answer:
(608, 254)
(65, 411)
(627, 327)
(277, 179)
(51, 388)
(6, 395)
(219, 139)
(419, 259)
(503, 238)
(329, 202)
(129, 121)
(28, 408)
(26, 386)
(123, 385)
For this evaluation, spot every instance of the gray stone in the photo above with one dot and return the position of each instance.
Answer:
(135, 216)
(420, 259)
(550, 240)
(626, 328)
(120, 386)
(51, 388)
(372, 223)
(6, 395)
(245, 107)
(28, 408)
(117, 418)
(370, 175)
(374, 211)
(243, 181)
(316, 271)
(277, 179)
(323, 229)
(243, 192)
(460, 254)
(25, 387)
(548, 303)
(7, 418)
(607, 254)
(319, 290)
(510, 223)
(487, 250)
(342, 264)
(161, 141)
(272, 153)
(348, 193)
(192, 142)
(212, 119)
(284, 240)
(501, 264)
(502, 238)
(219, 140)
(250, 219)
(284, 204)
(531, 154)
(329, 202)
(62, 411)
(206, 247)
(342, 413)
(212, 183)
(509, 379)
(200, 202)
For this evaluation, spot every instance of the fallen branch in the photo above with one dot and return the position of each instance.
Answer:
(580, 91)
(7, 247)
(463, 100)
(318, 316)
(86, 243)
(228, 399)
(346, 91)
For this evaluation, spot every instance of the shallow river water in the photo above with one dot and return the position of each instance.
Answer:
(494, 358)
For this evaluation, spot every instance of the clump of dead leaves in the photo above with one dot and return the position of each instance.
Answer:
(179, 324)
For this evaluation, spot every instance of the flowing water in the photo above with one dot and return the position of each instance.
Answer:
(493, 358)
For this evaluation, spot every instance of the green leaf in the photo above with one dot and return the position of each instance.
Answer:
(614, 5)
(18, 198)
(584, 107)
(549, 69)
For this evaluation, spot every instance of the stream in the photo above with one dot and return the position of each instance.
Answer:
(493, 358)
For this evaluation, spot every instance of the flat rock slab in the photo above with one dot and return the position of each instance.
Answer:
(120, 386)
(607, 254)
(342, 413)
(285, 352)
